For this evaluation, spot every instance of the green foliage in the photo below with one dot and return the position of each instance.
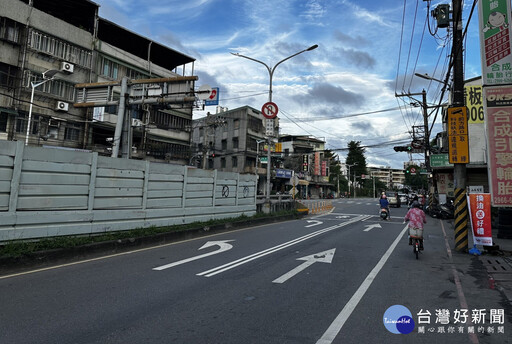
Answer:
(18, 248)
(416, 180)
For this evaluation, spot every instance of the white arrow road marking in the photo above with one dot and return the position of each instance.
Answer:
(322, 257)
(314, 224)
(338, 323)
(369, 227)
(254, 256)
(342, 217)
(223, 246)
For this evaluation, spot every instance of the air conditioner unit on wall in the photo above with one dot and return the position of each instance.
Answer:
(62, 106)
(136, 122)
(67, 67)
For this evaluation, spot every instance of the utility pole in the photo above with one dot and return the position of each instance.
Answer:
(459, 169)
(441, 13)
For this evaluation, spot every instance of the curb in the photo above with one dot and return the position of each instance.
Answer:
(93, 250)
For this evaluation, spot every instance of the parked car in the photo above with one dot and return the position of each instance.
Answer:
(393, 199)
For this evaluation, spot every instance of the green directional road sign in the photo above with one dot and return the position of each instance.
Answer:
(440, 160)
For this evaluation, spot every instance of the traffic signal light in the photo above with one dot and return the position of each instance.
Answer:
(402, 148)
(442, 15)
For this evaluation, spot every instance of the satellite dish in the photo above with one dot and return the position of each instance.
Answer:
(204, 92)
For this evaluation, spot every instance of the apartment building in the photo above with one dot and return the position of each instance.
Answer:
(48, 47)
(231, 140)
(393, 178)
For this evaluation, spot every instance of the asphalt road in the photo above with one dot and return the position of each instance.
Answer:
(322, 279)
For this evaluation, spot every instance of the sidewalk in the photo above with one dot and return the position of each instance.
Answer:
(482, 282)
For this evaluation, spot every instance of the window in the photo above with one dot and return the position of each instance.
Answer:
(58, 88)
(235, 142)
(236, 124)
(21, 124)
(7, 75)
(9, 30)
(234, 161)
(35, 124)
(223, 162)
(224, 145)
(58, 48)
(109, 68)
(3, 122)
(72, 132)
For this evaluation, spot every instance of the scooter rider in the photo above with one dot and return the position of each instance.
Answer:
(384, 204)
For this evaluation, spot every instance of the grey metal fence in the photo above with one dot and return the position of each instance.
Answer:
(50, 192)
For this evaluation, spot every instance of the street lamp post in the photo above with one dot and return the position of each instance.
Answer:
(269, 137)
(47, 76)
(349, 166)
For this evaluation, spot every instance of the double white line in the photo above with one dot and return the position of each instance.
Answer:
(254, 256)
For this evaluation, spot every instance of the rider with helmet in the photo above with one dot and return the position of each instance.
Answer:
(384, 204)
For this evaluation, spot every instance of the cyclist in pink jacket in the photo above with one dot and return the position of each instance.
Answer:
(416, 218)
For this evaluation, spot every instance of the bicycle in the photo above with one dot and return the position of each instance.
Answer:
(416, 235)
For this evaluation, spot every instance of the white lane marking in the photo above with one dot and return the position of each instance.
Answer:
(322, 257)
(337, 324)
(314, 224)
(369, 227)
(254, 256)
(223, 246)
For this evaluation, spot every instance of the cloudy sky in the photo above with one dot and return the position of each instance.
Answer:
(344, 90)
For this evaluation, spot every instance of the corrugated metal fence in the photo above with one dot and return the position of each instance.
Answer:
(49, 192)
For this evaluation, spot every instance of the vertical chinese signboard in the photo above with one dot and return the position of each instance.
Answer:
(495, 44)
(498, 106)
(474, 102)
(317, 163)
(480, 210)
(458, 147)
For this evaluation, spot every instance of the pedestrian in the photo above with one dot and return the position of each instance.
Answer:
(416, 218)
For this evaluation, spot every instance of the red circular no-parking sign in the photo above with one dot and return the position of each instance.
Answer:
(269, 110)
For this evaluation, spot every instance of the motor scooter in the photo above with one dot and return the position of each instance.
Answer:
(384, 214)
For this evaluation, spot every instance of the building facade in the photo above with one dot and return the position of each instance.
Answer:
(231, 140)
(393, 178)
(69, 41)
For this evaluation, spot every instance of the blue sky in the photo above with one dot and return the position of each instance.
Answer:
(368, 51)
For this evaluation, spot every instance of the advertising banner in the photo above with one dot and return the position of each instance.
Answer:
(317, 163)
(498, 119)
(480, 213)
(458, 135)
(496, 57)
(473, 96)
(213, 99)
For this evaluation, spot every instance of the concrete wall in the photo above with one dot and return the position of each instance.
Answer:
(51, 192)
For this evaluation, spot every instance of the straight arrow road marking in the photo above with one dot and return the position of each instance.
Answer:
(322, 257)
(314, 224)
(257, 255)
(223, 246)
(369, 227)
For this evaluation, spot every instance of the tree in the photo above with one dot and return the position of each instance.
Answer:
(416, 180)
(356, 157)
(335, 172)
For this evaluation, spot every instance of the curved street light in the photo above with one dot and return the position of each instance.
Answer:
(47, 76)
(271, 74)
